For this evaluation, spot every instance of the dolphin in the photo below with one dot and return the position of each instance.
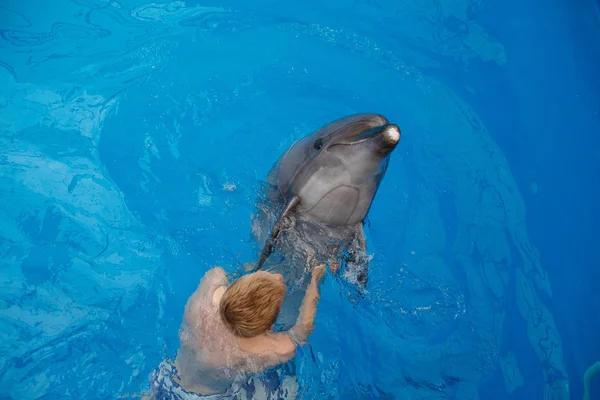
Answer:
(320, 190)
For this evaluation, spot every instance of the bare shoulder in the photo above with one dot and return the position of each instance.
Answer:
(211, 279)
(216, 272)
(283, 346)
(214, 275)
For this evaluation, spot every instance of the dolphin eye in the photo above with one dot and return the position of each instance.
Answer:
(318, 144)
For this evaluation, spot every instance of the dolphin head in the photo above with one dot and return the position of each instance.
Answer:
(336, 171)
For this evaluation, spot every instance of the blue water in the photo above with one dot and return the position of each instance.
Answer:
(134, 137)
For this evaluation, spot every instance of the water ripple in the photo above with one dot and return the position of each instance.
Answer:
(114, 122)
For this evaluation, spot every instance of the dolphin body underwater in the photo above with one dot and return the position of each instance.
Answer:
(317, 195)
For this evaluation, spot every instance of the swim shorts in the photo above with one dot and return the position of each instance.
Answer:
(268, 386)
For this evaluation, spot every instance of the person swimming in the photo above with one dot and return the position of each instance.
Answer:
(225, 335)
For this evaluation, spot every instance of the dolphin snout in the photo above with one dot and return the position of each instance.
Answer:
(391, 134)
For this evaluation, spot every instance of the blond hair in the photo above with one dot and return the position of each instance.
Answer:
(251, 305)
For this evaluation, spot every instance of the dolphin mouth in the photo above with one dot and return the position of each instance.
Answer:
(388, 134)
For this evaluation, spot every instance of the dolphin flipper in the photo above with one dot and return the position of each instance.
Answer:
(268, 247)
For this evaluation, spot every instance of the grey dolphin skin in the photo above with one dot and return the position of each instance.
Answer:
(329, 179)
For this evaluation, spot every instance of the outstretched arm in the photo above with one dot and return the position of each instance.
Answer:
(308, 310)
(285, 342)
